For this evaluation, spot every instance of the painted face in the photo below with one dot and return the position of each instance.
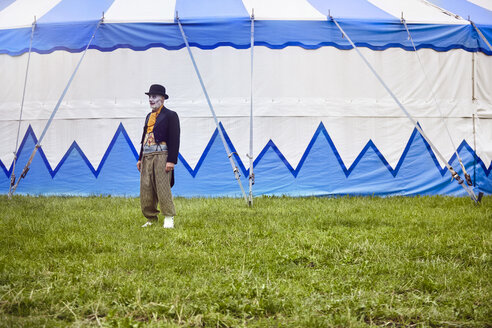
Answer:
(155, 101)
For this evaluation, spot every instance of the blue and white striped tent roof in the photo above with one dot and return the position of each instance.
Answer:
(139, 25)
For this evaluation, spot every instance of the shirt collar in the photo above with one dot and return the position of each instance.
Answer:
(159, 110)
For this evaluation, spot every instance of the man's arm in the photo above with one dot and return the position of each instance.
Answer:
(139, 162)
(173, 139)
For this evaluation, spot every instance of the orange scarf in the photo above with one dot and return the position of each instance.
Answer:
(152, 118)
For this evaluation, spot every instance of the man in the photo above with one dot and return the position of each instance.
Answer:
(158, 156)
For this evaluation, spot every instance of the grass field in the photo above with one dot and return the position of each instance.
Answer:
(286, 262)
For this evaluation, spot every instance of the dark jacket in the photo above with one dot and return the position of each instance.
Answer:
(166, 129)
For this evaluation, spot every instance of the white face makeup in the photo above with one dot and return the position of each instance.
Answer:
(156, 101)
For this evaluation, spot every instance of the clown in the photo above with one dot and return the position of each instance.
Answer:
(158, 156)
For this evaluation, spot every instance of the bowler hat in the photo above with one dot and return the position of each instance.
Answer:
(157, 89)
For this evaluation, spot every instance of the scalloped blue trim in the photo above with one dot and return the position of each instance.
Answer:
(257, 44)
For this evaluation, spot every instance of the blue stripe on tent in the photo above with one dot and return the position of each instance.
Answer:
(321, 170)
(142, 36)
(72, 37)
(15, 42)
(206, 9)
(236, 33)
(5, 3)
(76, 11)
(358, 9)
(482, 18)
(487, 33)
(466, 10)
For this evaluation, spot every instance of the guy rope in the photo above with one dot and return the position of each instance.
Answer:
(229, 153)
(467, 176)
(481, 35)
(12, 177)
(454, 174)
(53, 113)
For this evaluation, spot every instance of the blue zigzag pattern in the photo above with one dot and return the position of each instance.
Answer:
(214, 151)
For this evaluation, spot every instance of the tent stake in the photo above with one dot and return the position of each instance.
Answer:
(229, 153)
(53, 113)
(419, 129)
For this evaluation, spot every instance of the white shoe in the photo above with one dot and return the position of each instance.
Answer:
(169, 222)
(147, 224)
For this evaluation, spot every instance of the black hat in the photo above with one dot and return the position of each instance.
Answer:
(157, 89)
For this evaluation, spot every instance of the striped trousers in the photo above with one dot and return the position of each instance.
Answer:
(155, 188)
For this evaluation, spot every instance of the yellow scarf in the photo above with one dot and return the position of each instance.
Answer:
(152, 118)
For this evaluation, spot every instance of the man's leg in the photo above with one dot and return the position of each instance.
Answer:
(148, 196)
(163, 186)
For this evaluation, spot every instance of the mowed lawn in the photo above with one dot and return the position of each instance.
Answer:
(285, 262)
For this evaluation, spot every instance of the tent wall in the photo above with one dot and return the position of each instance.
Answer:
(323, 124)
(483, 114)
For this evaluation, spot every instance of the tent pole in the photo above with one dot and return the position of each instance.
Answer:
(53, 113)
(419, 129)
(475, 152)
(473, 122)
(229, 153)
(473, 99)
(12, 177)
(250, 155)
(473, 77)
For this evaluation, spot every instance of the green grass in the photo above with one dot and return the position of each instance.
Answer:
(286, 262)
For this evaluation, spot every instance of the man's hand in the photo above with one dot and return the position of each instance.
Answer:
(169, 166)
(139, 165)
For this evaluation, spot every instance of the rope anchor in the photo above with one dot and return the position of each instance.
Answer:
(455, 175)
(24, 172)
(252, 178)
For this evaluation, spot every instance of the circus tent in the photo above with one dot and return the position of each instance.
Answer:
(322, 122)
